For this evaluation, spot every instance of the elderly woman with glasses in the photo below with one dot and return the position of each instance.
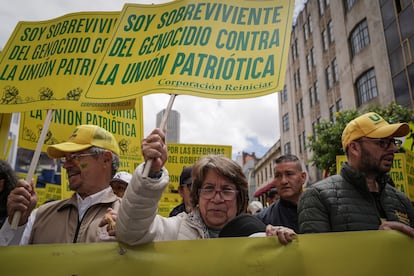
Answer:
(219, 193)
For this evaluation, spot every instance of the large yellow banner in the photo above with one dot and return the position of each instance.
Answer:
(125, 125)
(49, 64)
(213, 49)
(341, 254)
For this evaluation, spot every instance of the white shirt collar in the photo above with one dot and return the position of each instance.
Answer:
(84, 204)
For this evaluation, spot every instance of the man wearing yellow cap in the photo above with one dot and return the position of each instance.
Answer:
(90, 157)
(362, 196)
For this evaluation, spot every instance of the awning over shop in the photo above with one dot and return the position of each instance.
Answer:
(264, 189)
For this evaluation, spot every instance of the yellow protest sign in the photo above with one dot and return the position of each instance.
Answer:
(5, 142)
(49, 64)
(48, 193)
(340, 159)
(41, 196)
(66, 192)
(410, 174)
(184, 155)
(409, 139)
(398, 171)
(180, 156)
(125, 125)
(340, 254)
(213, 49)
(93, 60)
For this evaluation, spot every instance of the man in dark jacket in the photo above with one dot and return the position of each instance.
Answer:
(289, 179)
(184, 189)
(362, 196)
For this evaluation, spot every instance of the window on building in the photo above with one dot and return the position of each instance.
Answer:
(287, 148)
(300, 143)
(402, 86)
(359, 38)
(308, 63)
(311, 100)
(332, 113)
(306, 31)
(330, 32)
(303, 140)
(407, 50)
(293, 51)
(285, 122)
(298, 112)
(284, 95)
(298, 77)
(335, 74)
(398, 6)
(339, 105)
(314, 130)
(316, 91)
(301, 107)
(321, 7)
(271, 176)
(296, 47)
(324, 40)
(349, 4)
(328, 76)
(310, 24)
(313, 56)
(366, 86)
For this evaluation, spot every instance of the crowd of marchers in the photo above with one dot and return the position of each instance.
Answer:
(111, 205)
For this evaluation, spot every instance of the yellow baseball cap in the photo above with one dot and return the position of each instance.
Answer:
(372, 125)
(83, 137)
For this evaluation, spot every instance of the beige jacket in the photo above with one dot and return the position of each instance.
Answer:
(57, 222)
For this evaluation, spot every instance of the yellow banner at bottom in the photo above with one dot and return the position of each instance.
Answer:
(350, 253)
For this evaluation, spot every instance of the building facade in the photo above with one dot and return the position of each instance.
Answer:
(248, 161)
(264, 172)
(173, 125)
(344, 54)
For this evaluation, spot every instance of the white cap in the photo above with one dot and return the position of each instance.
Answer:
(255, 207)
(122, 176)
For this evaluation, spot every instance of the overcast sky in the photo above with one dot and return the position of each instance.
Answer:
(250, 125)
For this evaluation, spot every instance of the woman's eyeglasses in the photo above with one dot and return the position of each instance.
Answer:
(226, 194)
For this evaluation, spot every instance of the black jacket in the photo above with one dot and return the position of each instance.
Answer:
(280, 213)
(344, 203)
(177, 209)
